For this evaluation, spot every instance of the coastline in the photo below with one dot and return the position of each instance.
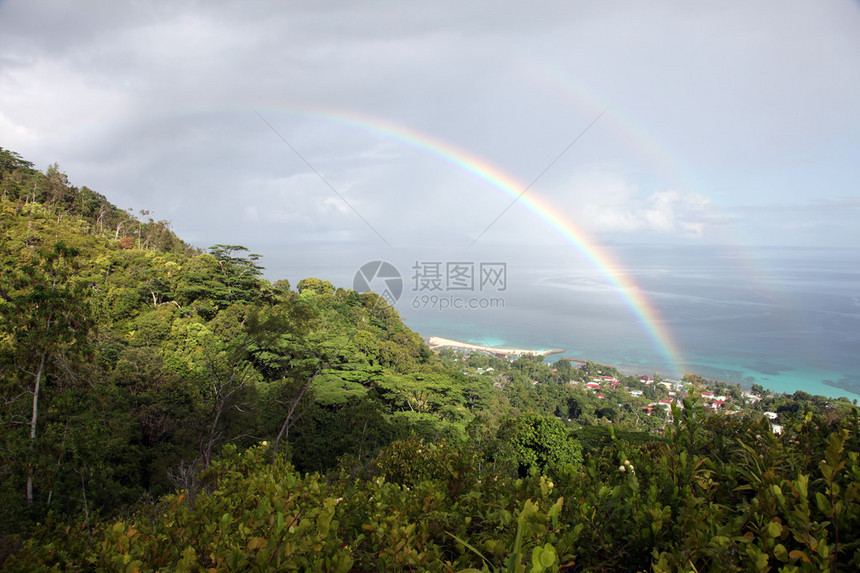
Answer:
(437, 342)
(787, 380)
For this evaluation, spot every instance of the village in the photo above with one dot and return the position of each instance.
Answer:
(676, 391)
(615, 397)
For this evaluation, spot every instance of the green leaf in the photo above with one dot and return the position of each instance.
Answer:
(780, 552)
(761, 562)
(545, 556)
(257, 543)
(826, 470)
(822, 502)
(555, 510)
(472, 549)
(803, 485)
(774, 529)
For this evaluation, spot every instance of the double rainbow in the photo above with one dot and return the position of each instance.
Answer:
(608, 265)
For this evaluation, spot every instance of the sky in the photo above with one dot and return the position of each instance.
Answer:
(310, 128)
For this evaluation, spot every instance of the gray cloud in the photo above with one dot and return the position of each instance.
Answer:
(154, 105)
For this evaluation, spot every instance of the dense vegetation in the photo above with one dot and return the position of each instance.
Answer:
(168, 408)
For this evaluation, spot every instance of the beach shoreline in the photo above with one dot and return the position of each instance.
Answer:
(436, 342)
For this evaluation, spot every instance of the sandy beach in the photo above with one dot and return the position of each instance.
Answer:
(436, 342)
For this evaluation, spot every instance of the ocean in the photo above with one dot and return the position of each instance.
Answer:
(785, 318)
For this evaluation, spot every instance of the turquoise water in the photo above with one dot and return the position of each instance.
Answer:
(788, 321)
(488, 341)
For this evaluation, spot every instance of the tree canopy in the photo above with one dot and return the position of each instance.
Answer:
(165, 408)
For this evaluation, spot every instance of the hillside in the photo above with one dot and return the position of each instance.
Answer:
(168, 408)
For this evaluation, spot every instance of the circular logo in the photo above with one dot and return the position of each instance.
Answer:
(382, 278)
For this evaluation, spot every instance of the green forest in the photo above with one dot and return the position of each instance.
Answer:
(167, 408)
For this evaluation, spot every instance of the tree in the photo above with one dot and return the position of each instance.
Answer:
(572, 407)
(285, 349)
(607, 412)
(564, 369)
(282, 286)
(237, 272)
(696, 382)
(219, 279)
(46, 320)
(538, 443)
(227, 373)
(315, 285)
(15, 174)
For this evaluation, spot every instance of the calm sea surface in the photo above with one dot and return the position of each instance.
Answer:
(788, 319)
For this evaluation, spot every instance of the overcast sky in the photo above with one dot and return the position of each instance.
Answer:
(722, 122)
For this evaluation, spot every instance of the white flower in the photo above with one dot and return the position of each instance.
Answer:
(622, 469)
(626, 462)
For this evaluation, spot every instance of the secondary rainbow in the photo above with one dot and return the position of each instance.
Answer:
(593, 251)
(569, 90)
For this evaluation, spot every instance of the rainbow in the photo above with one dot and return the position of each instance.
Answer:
(633, 296)
(645, 142)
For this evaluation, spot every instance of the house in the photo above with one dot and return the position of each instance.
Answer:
(592, 385)
(609, 380)
(708, 395)
(636, 393)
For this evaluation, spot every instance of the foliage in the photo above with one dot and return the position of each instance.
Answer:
(167, 409)
(660, 505)
(538, 443)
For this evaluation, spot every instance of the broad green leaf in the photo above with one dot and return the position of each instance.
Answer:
(774, 529)
(780, 552)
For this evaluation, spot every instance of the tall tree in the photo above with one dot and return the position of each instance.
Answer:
(45, 321)
(228, 370)
(237, 271)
